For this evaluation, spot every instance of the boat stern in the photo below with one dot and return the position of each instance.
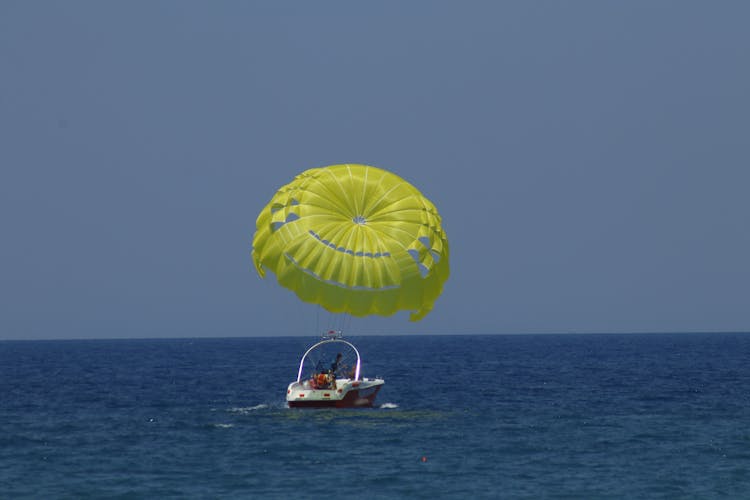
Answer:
(344, 393)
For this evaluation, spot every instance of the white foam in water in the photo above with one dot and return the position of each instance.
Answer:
(388, 406)
(248, 409)
(223, 426)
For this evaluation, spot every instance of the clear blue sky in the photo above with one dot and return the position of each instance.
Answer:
(590, 159)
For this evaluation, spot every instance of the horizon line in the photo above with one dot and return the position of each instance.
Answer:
(663, 332)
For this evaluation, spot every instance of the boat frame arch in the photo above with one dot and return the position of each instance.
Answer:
(328, 340)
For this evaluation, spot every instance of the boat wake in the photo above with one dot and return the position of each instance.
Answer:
(388, 406)
(248, 409)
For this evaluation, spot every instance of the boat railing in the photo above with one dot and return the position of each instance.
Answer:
(327, 340)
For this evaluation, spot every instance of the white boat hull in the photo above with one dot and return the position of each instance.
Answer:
(347, 393)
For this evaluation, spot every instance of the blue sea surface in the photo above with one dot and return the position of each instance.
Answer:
(497, 416)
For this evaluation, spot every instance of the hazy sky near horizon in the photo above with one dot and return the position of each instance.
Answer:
(590, 160)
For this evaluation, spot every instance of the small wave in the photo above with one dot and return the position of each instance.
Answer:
(388, 406)
(223, 426)
(248, 409)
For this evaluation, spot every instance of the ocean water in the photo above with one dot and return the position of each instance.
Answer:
(524, 416)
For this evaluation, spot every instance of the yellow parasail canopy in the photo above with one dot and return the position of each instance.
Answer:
(355, 239)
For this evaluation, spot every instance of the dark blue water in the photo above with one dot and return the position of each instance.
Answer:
(547, 416)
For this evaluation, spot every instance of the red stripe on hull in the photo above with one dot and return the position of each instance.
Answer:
(351, 400)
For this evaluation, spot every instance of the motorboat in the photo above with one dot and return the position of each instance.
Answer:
(329, 377)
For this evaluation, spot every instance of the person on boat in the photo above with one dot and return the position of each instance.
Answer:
(335, 366)
(322, 380)
(336, 363)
